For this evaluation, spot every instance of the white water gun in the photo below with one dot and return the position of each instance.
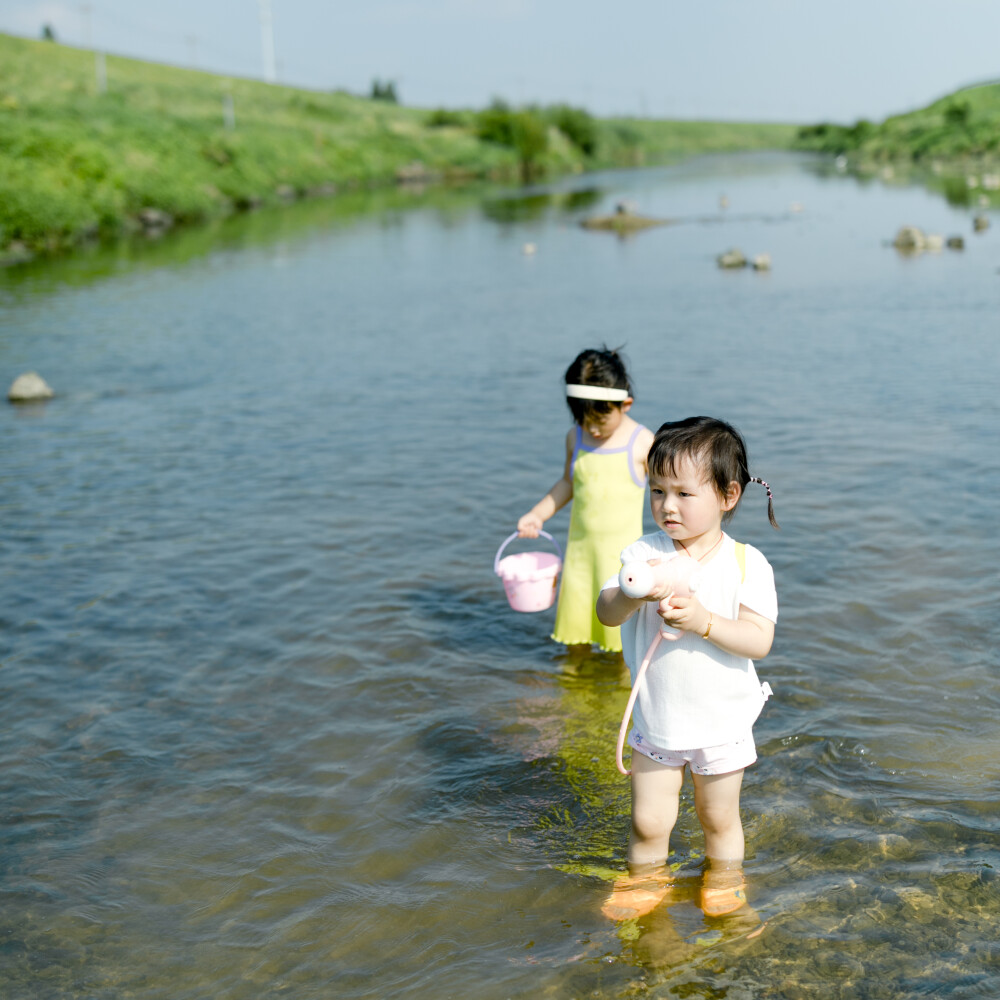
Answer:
(678, 576)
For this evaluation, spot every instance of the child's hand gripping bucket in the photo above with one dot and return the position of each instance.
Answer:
(529, 578)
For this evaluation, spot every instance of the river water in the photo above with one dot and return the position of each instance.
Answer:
(271, 729)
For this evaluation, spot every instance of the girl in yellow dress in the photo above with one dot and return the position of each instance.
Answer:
(605, 477)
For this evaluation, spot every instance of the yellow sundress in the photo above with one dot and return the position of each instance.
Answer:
(606, 516)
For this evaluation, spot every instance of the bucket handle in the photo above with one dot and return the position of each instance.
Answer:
(509, 539)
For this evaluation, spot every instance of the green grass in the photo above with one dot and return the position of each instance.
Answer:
(951, 146)
(652, 141)
(963, 127)
(77, 164)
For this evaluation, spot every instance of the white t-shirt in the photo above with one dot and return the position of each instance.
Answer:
(694, 694)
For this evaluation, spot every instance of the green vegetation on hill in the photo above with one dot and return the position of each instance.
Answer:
(962, 126)
(157, 145)
(952, 146)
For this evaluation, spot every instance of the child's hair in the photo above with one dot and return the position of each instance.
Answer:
(602, 367)
(718, 445)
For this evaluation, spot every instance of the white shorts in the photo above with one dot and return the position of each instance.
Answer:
(708, 760)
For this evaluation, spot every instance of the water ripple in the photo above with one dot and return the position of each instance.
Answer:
(271, 725)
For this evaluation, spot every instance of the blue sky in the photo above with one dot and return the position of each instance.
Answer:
(767, 60)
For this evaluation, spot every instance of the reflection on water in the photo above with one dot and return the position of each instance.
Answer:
(535, 204)
(267, 227)
(271, 726)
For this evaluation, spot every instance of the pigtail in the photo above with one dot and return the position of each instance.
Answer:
(770, 501)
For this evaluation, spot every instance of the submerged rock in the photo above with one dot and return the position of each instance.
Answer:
(894, 845)
(29, 388)
(956, 242)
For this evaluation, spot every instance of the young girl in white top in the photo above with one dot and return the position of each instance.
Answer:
(700, 695)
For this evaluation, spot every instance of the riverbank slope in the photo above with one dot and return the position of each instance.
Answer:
(953, 142)
(92, 148)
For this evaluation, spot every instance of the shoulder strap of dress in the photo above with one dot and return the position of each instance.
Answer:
(741, 560)
(631, 457)
(576, 449)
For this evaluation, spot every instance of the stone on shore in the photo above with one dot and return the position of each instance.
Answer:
(155, 220)
(15, 252)
(29, 388)
(415, 172)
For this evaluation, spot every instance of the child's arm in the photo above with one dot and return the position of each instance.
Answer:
(748, 635)
(558, 496)
(615, 608)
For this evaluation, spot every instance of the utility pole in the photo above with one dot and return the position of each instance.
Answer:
(267, 40)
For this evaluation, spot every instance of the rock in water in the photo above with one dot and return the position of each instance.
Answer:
(732, 258)
(910, 239)
(622, 221)
(29, 388)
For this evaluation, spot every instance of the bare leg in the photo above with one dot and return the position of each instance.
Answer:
(656, 791)
(717, 803)
(655, 801)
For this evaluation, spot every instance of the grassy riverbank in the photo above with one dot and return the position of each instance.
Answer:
(954, 142)
(150, 146)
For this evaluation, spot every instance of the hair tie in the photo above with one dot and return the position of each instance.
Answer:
(770, 500)
(757, 479)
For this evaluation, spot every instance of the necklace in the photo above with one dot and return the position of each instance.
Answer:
(704, 555)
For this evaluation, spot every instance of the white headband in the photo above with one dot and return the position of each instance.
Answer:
(597, 392)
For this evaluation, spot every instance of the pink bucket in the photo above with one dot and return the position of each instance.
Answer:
(529, 578)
